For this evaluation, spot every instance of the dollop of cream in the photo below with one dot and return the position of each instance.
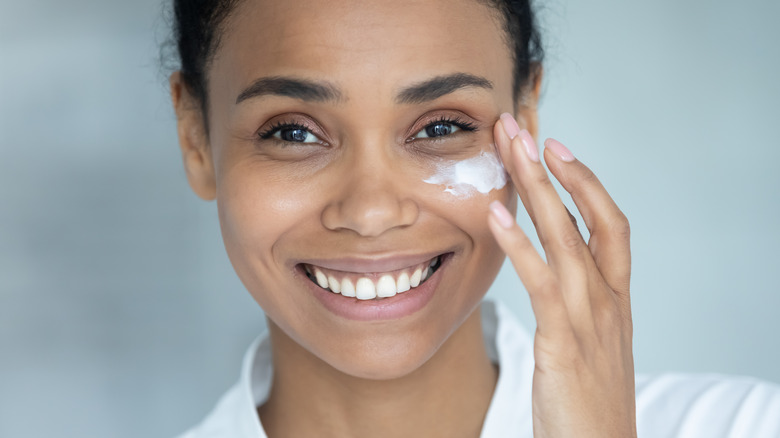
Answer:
(463, 179)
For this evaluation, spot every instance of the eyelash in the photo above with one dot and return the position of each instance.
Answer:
(462, 124)
(278, 126)
(446, 120)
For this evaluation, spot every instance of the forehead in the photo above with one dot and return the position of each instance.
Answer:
(365, 46)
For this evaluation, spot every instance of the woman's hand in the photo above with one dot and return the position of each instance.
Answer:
(583, 384)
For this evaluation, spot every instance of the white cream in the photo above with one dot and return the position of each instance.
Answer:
(482, 174)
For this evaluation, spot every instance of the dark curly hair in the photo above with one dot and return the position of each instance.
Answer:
(197, 27)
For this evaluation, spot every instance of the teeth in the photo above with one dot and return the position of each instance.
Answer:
(335, 285)
(322, 279)
(347, 288)
(403, 283)
(385, 287)
(414, 281)
(365, 290)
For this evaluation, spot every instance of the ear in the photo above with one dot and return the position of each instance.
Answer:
(193, 140)
(526, 104)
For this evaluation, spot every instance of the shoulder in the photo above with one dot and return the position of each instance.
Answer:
(706, 405)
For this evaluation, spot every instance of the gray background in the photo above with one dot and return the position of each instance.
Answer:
(120, 315)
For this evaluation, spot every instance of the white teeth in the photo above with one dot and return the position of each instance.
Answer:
(347, 288)
(335, 285)
(322, 279)
(365, 289)
(403, 283)
(414, 281)
(385, 287)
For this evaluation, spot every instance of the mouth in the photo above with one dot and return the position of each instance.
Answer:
(373, 285)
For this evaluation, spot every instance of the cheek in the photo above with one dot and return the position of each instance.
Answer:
(256, 209)
(469, 214)
(464, 198)
(476, 171)
(471, 183)
(264, 220)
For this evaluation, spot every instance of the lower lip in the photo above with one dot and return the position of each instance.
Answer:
(395, 307)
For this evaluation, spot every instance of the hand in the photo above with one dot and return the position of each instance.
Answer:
(583, 383)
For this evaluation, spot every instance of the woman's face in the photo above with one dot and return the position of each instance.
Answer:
(323, 127)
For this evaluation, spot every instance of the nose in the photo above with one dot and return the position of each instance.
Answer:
(370, 202)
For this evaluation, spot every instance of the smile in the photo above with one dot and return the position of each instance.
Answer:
(372, 285)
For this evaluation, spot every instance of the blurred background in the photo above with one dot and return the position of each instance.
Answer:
(120, 315)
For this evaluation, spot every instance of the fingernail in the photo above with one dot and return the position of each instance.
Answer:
(510, 125)
(530, 145)
(559, 149)
(502, 215)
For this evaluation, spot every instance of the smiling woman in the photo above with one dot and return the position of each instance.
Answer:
(316, 168)
(338, 139)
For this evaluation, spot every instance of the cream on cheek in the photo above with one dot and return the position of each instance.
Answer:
(465, 178)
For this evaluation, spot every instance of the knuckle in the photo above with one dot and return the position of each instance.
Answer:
(588, 177)
(546, 288)
(607, 315)
(616, 225)
(571, 240)
(620, 227)
(540, 179)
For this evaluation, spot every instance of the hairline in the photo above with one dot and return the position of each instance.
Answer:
(495, 10)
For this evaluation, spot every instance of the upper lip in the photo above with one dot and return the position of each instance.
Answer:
(377, 263)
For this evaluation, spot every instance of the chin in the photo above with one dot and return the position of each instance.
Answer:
(383, 359)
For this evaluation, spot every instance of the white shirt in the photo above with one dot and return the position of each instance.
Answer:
(668, 405)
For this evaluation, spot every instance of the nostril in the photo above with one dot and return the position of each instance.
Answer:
(369, 213)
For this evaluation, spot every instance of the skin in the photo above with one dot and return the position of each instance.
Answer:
(359, 192)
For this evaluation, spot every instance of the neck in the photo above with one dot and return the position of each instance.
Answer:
(447, 396)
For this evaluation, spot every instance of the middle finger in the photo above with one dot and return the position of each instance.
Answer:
(561, 240)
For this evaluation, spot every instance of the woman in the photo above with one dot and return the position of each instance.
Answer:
(366, 158)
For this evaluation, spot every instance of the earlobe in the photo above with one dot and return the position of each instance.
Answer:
(527, 115)
(193, 140)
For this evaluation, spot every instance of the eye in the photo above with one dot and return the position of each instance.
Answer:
(290, 133)
(444, 127)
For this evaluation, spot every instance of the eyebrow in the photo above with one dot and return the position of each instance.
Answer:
(322, 91)
(439, 86)
(304, 89)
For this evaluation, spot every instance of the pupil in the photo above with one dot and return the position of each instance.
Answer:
(296, 135)
(438, 130)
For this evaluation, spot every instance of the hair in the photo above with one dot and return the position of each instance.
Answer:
(199, 24)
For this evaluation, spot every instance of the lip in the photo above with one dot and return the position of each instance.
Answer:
(395, 307)
(369, 265)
